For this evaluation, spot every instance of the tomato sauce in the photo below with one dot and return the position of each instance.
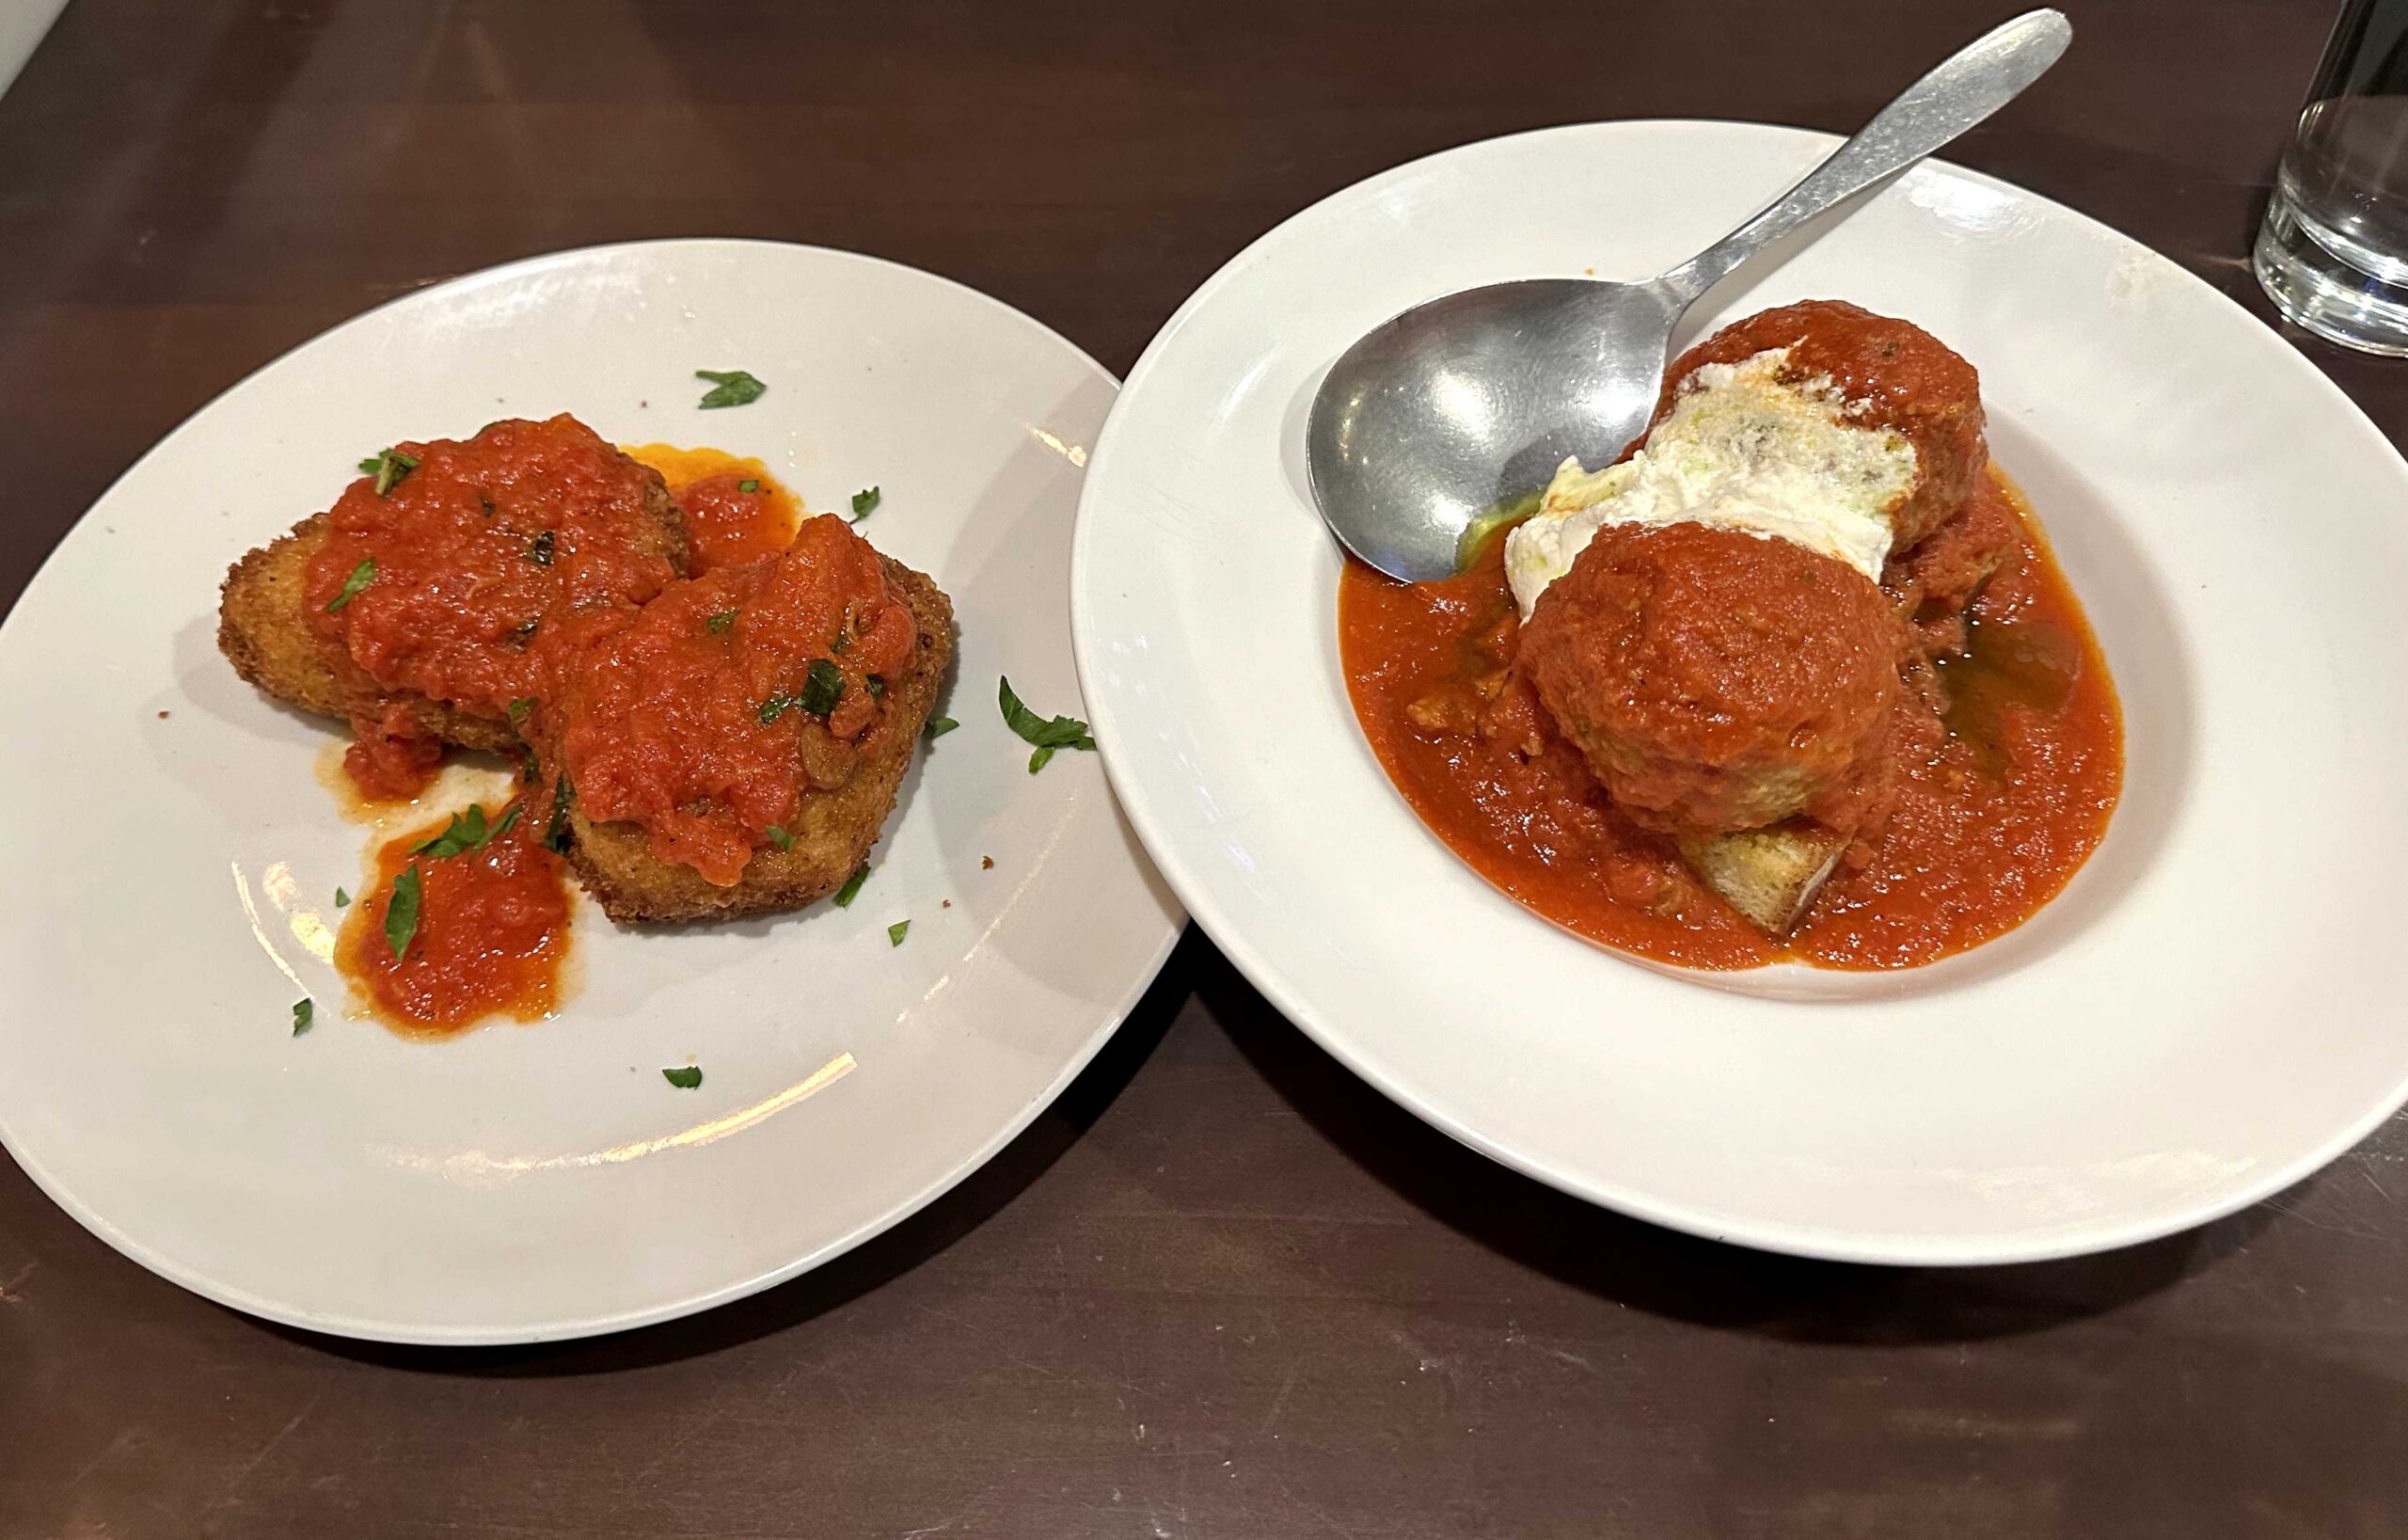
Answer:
(1997, 803)
(492, 932)
(704, 716)
(734, 510)
(439, 582)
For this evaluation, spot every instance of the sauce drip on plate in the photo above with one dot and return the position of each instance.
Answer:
(491, 933)
(735, 511)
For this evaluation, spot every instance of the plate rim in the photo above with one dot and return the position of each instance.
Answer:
(1200, 898)
(364, 1328)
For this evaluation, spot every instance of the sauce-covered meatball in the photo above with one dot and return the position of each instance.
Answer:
(1889, 373)
(1714, 680)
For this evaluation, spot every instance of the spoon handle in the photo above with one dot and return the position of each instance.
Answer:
(1974, 82)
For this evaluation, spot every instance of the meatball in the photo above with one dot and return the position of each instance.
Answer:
(1713, 680)
(1890, 374)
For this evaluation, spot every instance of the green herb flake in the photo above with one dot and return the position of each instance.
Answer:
(721, 623)
(774, 708)
(749, 484)
(303, 1009)
(343, 899)
(876, 685)
(522, 707)
(466, 831)
(866, 502)
(939, 726)
(894, 933)
(401, 913)
(685, 1079)
(852, 887)
(1045, 733)
(388, 467)
(823, 686)
(539, 551)
(732, 388)
(779, 837)
(556, 827)
(361, 576)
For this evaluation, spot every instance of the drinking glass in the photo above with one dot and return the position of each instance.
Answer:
(2333, 251)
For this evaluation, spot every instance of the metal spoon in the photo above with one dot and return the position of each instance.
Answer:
(1445, 412)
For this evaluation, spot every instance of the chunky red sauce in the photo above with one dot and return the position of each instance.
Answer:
(439, 582)
(735, 511)
(387, 762)
(1996, 805)
(492, 933)
(698, 716)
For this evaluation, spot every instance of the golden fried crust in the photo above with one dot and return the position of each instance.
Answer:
(832, 831)
(264, 631)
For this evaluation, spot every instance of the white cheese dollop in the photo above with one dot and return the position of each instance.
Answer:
(1742, 450)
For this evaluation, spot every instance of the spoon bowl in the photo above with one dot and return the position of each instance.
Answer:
(1445, 418)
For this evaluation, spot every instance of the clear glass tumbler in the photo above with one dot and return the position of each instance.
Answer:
(2332, 252)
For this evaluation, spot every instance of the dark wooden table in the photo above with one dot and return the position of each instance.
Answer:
(1221, 1288)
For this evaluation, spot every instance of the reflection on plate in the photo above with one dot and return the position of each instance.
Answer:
(520, 1183)
(2200, 1017)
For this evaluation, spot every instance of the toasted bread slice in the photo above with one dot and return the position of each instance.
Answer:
(264, 631)
(832, 831)
(1769, 875)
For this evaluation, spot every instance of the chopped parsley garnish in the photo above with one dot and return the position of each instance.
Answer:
(556, 827)
(721, 623)
(939, 726)
(1047, 733)
(844, 639)
(779, 837)
(852, 887)
(401, 913)
(876, 685)
(866, 502)
(734, 387)
(774, 708)
(519, 708)
(343, 899)
(823, 686)
(894, 933)
(467, 832)
(361, 576)
(303, 1009)
(685, 1079)
(388, 467)
(749, 484)
(540, 552)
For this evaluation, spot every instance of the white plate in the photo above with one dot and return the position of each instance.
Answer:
(170, 850)
(2210, 1011)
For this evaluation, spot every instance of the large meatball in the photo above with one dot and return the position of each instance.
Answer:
(1889, 373)
(1714, 680)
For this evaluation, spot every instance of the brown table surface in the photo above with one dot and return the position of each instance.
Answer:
(1221, 1288)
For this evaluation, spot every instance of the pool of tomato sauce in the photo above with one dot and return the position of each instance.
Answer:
(493, 932)
(725, 523)
(1985, 834)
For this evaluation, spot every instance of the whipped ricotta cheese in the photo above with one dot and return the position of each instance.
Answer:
(1742, 450)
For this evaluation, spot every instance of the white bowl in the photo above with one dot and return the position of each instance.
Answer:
(2210, 1011)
